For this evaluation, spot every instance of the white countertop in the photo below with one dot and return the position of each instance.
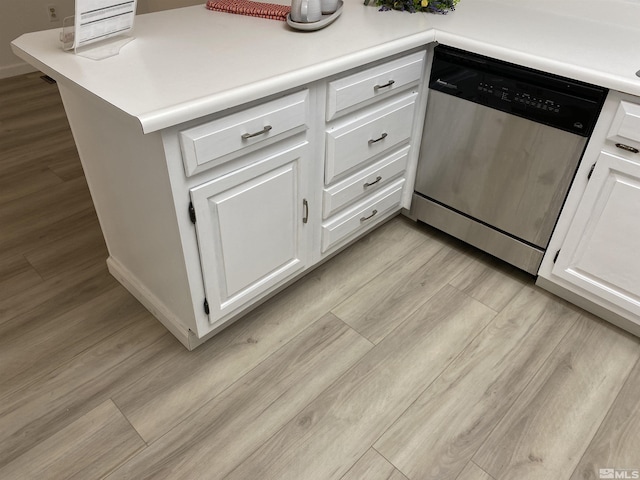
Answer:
(190, 62)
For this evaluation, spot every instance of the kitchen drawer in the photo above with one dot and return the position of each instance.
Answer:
(225, 138)
(351, 144)
(375, 82)
(362, 215)
(365, 182)
(625, 128)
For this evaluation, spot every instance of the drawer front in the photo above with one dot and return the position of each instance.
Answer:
(375, 82)
(625, 129)
(362, 216)
(220, 140)
(365, 182)
(352, 144)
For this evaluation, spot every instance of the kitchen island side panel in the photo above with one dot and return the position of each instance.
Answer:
(130, 187)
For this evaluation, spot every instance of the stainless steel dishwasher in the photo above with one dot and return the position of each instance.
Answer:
(500, 148)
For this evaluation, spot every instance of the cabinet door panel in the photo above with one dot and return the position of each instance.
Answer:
(250, 230)
(600, 253)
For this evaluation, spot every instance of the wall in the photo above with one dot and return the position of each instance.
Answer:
(155, 5)
(23, 16)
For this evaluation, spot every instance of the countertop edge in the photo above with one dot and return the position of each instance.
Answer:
(173, 114)
(170, 116)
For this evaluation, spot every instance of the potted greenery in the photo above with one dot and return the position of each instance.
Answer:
(431, 6)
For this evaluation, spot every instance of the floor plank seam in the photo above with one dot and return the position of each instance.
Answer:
(295, 415)
(519, 395)
(353, 465)
(54, 280)
(489, 306)
(133, 428)
(414, 310)
(70, 372)
(362, 286)
(70, 360)
(239, 380)
(24, 255)
(407, 316)
(487, 473)
(444, 369)
(391, 463)
(600, 426)
(352, 328)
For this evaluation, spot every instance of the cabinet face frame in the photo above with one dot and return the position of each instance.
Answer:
(588, 258)
(242, 215)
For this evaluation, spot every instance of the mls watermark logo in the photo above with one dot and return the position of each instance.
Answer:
(619, 473)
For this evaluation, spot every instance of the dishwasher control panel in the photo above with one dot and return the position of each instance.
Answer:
(548, 99)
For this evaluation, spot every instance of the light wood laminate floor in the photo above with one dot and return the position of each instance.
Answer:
(407, 356)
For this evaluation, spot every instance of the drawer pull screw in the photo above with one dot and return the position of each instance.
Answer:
(378, 178)
(261, 132)
(364, 219)
(388, 84)
(382, 137)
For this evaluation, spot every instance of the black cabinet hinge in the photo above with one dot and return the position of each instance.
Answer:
(192, 213)
(591, 171)
(206, 306)
(556, 256)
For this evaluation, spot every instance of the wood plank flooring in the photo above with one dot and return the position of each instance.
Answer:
(409, 356)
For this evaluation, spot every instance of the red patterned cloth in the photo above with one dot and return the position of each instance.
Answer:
(253, 9)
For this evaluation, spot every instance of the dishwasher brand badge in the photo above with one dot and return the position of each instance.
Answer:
(444, 84)
(606, 473)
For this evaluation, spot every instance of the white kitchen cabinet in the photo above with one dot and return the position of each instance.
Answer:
(353, 143)
(220, 140)
(362, 215)
(592, 259)
(364, 182)
(252, 229)
(348, 93)
(600, 253)
(207, 218)
(372, 125)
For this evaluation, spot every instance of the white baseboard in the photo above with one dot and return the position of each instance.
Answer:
(7, 71)
(152, 303)
(598, 310)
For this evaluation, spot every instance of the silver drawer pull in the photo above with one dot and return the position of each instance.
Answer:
(388, 84)
(261, 132)
(305, 206)
(364, 219)
(378, 178)
(382, 137)
(627, 148)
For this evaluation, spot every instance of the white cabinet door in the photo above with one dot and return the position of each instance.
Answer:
(601, 253)
(251, 230)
